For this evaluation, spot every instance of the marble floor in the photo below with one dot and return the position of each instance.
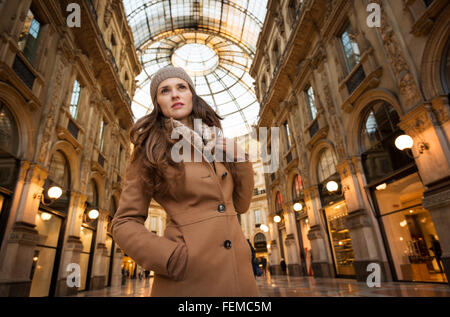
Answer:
(288, 286)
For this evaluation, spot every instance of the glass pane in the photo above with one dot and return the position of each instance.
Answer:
(311, 103)
(350, 47)
(48, 226)
(340, 239)
(414, 244)
(41, 271)
(28, 37)
(84, 262)
(86, 235)
(75, 99)
(218, 54)
(401, 194)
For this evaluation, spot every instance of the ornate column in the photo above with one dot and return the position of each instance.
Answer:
(18, 251)
(274, 252)
(321, 264)
(360, 225)
(291, 251)
(73, 246)
(100, 253)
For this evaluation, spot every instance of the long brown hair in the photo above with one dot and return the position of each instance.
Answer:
(150, 136)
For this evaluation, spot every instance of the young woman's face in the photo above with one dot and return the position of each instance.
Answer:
(175, 99)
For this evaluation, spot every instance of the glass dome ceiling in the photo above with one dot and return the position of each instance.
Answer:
(214, 41)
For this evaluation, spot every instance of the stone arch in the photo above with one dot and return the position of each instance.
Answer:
(19, 109)
(315, 156)
(73, 160)
(357, 115)
(257, 233)
(431, 76)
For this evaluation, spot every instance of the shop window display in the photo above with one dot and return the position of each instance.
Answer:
(410, 232)
(48, 225)
(340, 239)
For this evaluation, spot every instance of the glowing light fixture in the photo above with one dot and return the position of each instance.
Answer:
(403, 142)
(332, 186)
(93, 214)
(264, 228)
(298, 207)
(381, 186)
(277, 219)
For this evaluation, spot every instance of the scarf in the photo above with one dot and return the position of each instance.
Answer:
(203, 138)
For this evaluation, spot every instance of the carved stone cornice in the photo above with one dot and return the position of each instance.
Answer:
(63, 134)
(314, 233)
(357, 219)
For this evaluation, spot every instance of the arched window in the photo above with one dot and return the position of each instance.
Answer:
(260, 242)
(278, 202)
(378, 131)
(92, 193)
(297, 187)
(59, 171)
(59, 174)
(327, 165)
(9, 136)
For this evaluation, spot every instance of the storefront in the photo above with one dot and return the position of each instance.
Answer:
(408, 229)
(341, 243)
(334, 211)
(88, 234)
(50, 223)
(395, 187)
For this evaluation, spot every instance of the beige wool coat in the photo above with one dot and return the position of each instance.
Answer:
(203, 215)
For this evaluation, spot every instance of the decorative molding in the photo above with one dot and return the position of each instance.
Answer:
(404, 78)
(63, 134)
(357, 219)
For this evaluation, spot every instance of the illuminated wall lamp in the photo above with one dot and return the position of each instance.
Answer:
(93, 214)
(277, 219)
(298, 207)
(53, 193)
(332, 186)
(405, 142)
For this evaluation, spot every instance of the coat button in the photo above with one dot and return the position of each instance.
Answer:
(227, 244)
(221, 208)
(224, 174)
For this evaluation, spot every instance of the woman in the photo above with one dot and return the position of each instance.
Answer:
(203, 251)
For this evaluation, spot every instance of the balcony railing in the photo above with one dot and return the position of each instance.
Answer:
(73, 129)
(21, 69)
(356, 79)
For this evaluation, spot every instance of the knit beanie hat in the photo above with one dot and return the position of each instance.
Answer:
(168, 72)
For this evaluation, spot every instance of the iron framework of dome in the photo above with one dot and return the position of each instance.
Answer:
(214, 41)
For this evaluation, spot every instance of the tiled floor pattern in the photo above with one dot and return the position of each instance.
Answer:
(288, 286)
